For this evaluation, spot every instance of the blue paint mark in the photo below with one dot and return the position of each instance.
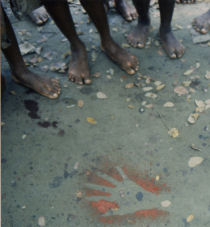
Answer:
(139, 196)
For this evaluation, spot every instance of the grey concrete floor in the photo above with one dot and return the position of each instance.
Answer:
(46, 161)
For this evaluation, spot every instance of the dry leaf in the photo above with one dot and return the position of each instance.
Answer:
(131, 106)
(160, 87)
(91, 120)
(101, 95)
(190, 218)
(173, 132)
(147, 88)
(80, 103)
(207, 76)
(193, 118)
(129, 85)
(180, 90)
(168, 104)
(151, 95)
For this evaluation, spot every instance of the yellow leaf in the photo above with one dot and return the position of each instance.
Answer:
(91, 120)
(173, 132)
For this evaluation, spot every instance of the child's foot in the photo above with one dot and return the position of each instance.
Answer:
(78, 68)
(127, 11)
(127, 62)
(202, 23)
(43, 85)
(39, 16)
(172, 46)
(138, 37)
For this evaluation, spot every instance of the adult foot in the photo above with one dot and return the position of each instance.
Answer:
(138, 37)
(39, 16)
(127, 11)
(172, 46)
(127, 62)
(78, 68)
(185, 1)
(43, 85)
(202, 23)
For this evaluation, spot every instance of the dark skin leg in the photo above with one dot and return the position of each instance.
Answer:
(97, 13)
(138, 36)
(172, 46)
(127, 11)
(39, 83)
(202, 23)
(78, 68)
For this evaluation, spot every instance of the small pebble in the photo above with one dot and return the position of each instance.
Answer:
(190, 218)
(165, 203)
(168, 104)
(24, 136)
(194, 161)
(141, 110)
(101, 95)
(129, 85)
(41, 221)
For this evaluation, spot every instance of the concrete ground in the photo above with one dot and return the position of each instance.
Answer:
(113, 160)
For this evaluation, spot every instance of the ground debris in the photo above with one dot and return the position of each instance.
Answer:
(151, 95)
(80, 103)
(193, 118)
(173, 132)
(194, 161)
(101, 95)
(91, 120)
(169, 104)
(129, 85)
(190, 218)
(180, 90)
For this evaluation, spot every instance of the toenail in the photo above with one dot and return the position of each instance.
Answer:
(140, 45)
(173, 55)
(87, 81)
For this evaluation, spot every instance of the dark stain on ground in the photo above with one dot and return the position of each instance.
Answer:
(3, 160)
(195, 83)
(61, 132)
(69, 101)
(46, 124)
(86, 90)
(32, 107)
(57, 181)
(66, 174)
(70, 217)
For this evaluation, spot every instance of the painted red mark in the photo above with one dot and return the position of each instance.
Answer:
(103, 206)
(144, 183)
(148, 214)
(95, 179)
(113, 172)
(93, 192)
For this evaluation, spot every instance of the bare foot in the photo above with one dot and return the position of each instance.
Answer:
(202, 23)
(127, 11)
(43, 85)
(138, 37)
(78, 68)
(185, 1)
(127, 62)
(39, 16)
(172, 46)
